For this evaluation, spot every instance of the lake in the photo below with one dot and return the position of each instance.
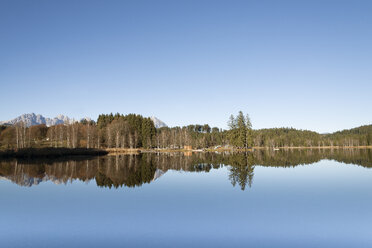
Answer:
(295, 198)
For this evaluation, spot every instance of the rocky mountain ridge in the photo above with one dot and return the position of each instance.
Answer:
(37, 119)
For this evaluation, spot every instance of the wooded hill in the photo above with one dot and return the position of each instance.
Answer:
(135, 131)
(290, 137)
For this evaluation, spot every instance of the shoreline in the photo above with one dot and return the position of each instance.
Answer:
(113, 151)
(51, 152)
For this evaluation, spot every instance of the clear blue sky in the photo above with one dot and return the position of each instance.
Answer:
(302, 64)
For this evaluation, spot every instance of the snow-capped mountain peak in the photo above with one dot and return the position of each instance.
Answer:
(158, 123)
(33, 119)
(37, 119)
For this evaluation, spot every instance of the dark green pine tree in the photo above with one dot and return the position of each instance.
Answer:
(240, 131)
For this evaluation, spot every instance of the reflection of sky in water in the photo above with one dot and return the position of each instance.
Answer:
(326, 204)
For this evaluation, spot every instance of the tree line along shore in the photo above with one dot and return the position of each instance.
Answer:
(134, 132)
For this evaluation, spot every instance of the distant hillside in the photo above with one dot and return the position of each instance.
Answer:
(366, 129)
(281, 137)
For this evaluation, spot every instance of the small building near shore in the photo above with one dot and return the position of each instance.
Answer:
(187, 147)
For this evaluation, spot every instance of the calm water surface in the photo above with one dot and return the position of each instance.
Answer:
(307, 198)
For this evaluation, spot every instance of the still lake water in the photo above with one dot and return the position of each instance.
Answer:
(307, 198)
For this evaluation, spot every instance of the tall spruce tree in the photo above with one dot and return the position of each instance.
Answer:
(240, 131)
(249, 132)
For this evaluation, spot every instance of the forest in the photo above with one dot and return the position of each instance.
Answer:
(134, 131)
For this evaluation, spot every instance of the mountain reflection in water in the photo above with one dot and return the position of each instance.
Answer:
(135, 170)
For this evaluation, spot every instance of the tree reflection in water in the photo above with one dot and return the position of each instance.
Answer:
(135, 170)
(241, 169)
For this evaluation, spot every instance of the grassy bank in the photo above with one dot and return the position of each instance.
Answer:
(50, 152)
